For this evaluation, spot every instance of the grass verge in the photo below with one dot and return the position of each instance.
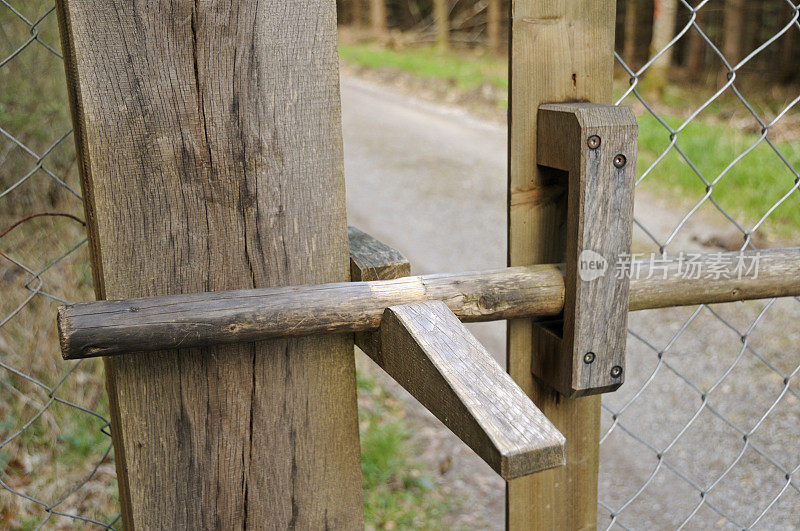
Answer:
(397, 493)
(466, 70)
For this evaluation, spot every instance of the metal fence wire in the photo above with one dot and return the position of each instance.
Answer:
(55, 448)
(706, 430)
(705, 433)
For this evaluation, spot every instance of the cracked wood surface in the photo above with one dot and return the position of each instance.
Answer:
(209, 141)
(124, 326)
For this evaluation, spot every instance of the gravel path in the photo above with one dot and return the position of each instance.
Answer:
(430, 180)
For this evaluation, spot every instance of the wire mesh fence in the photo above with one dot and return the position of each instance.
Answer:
(706, 430)
(55, 448)
(704, 433)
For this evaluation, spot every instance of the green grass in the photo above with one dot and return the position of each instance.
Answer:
(466, 70)
(397, 492)
(746, 191)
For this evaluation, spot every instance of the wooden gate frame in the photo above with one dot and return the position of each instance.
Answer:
(237, 408)
(559, 50)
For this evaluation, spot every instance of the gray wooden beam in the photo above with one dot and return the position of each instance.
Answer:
(592, 147)
(427, 350)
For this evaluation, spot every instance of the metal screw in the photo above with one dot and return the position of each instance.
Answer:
(589, 357)
(593, 142)
(620, 161)
(616, 371)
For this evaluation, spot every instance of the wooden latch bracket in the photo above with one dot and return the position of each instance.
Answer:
(590, 151)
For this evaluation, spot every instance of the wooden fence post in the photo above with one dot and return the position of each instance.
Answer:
(561, 50)
(209, 141)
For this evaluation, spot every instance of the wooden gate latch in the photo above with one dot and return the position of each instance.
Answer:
(412, 326)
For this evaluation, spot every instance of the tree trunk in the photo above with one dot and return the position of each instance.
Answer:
(361, 13)
(663, 32)
(629, 48)
(697, 49)
(789, 54)
(732, 31)
(378, 15)
(343, 12)
(494, 17)
(441, 16)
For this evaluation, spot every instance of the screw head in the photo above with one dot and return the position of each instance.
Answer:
(616, 371)
(620, 161)
(593, 142)
(589, 357)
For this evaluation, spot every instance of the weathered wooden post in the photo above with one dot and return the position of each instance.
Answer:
(209, 141)
(561, 50)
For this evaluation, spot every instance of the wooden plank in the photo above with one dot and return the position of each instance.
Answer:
(87, 329)
(427, 350)
(209, 141)
(473, 396)
(594, 148)
(561, 50)
(371, 259)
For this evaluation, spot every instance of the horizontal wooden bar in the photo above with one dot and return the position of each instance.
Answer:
(105, 328)
(676, 282)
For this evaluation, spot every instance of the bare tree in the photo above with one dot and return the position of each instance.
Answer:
(494, 19)
(790, 51)
(733, 31)
(441, 20)
(629, 48)
(378, 16)
(696, 62)
(663, 31)
(361, 13)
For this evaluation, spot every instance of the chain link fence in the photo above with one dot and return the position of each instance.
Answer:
(705, 433)
(55, 448)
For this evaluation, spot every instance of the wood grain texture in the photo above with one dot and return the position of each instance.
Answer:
(427, 350)
(460, 382)
(371, 259)
(209, 140)
(560, 51)
(599, 180)
(112, 327)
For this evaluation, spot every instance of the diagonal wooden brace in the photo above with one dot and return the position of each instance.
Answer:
(589, 150)
(425, 348)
